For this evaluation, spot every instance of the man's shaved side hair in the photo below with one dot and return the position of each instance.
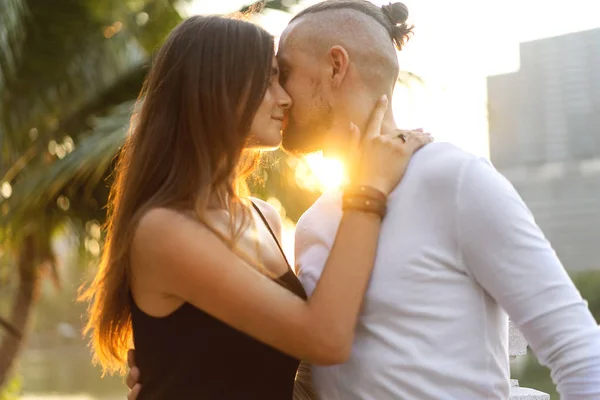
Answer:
(392, 17)
(367, 32)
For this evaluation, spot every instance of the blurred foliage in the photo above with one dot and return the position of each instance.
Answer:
(588, 284)
(534, 375)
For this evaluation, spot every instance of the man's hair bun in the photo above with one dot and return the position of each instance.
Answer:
(397, 14)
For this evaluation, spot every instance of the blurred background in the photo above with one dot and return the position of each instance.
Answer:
(514, 81)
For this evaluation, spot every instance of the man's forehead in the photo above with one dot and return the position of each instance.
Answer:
(291, 45)
(285, 49)
(289, 31)
(285, 40)
(288, 57)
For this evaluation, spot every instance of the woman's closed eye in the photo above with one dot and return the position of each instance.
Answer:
(274, 75)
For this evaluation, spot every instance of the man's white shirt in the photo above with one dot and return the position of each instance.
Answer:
(458, 250)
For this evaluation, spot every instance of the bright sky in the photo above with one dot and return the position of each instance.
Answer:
(456, 45)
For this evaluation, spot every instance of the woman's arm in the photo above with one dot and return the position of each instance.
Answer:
(180, 257)
(185, 259)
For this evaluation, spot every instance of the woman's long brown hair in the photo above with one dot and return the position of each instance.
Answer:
(185, 146)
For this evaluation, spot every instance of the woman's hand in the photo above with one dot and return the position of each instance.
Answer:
(382, 159)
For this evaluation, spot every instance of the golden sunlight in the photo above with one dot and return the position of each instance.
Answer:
(318, 173)
(312, 172)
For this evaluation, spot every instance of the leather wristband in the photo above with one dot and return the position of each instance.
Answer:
(364, 205)
(365, 199)
(366, 191)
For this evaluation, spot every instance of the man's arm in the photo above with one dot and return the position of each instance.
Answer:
(508, 255)
(311, 252)
(315, 233)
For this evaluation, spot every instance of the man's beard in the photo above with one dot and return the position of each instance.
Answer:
(309, 136)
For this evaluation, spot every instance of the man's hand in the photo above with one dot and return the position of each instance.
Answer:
(132, 377)
(303, 387)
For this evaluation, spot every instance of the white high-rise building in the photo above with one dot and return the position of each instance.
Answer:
(545, 138)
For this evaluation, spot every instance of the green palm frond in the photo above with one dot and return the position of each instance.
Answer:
(67, 59)
(81, 171)
(281, 5)
(95, 59)
(11, 36)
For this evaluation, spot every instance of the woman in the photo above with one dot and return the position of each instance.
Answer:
(192, 268)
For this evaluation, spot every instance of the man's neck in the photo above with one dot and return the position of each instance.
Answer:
(340, 150)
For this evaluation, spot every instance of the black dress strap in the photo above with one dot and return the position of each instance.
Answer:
(272, 233)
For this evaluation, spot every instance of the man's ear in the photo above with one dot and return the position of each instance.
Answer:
(340, 63)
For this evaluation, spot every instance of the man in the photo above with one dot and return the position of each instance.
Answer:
(458, 252)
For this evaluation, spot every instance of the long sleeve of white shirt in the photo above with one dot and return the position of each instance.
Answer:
(507, 254)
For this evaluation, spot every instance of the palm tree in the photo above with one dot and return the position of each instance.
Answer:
(60, 62)
(69, 74)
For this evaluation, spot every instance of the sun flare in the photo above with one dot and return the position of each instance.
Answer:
(318, 173)
(315, 173)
